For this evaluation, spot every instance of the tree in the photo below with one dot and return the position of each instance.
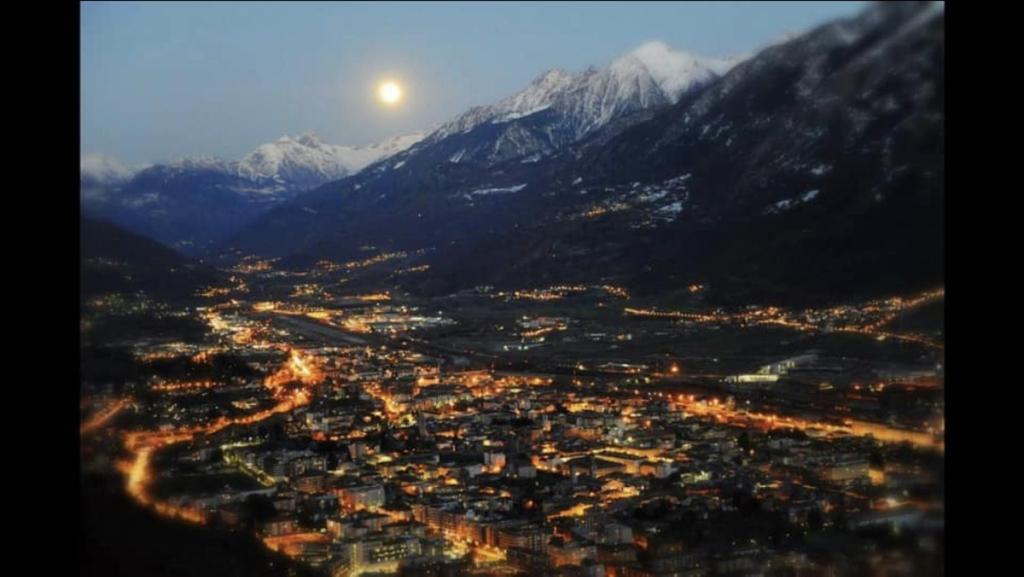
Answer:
(815, 520)
(258, 508)
(876, 460)
(744, 442)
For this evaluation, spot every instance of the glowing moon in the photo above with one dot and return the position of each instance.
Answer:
(389, 92)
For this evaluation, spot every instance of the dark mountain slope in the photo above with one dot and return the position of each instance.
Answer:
(187, 208)
(440, 183)
(114, 260)
(813, 171)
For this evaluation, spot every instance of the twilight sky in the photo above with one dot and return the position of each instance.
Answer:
(164, 80)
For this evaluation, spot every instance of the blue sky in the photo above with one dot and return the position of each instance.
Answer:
(163, 80)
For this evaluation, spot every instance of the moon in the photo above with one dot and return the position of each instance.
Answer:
(389, 92)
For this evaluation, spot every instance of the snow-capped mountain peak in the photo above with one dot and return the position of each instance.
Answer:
(307, 160)
(649, 76)
(102, 169)
(674, 71)
(163, 201)
(540, 92)
(275, 170)
(311, 140)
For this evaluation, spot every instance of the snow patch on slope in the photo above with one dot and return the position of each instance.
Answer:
(788, 203)
(493, 191)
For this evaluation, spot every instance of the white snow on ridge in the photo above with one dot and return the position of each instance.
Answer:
(104, 169)
(143, 200)
(309, 158)
(674, 71)
(519, 114)
(671, 211)
(491, 191)
(651, 75)
(652, 196)
(287, 163)
(788, 203)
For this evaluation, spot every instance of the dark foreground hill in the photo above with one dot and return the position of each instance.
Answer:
(113, 260)
(118, 539)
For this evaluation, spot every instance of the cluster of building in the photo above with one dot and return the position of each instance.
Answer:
(369, 458)
(402, 461)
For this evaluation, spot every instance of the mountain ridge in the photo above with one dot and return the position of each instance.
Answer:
(115, 260)
(194, 202)
(800, 150)
(650, 75)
